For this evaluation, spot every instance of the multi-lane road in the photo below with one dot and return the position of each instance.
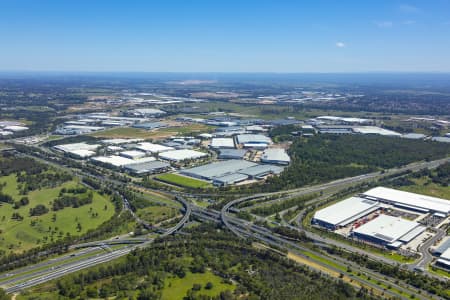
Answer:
(40, 273)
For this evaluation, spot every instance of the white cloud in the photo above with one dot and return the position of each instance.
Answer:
(409, 9)
(384, 24)
(340, 44)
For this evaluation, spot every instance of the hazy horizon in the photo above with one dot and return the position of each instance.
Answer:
(225, 37)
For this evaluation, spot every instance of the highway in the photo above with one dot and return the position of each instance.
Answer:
(249, 230)
(36, 274)
(239, 227)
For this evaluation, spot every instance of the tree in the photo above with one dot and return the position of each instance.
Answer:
(209, 285)
(3, 295)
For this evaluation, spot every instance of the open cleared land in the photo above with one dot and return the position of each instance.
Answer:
(156, 213)
(425, 187)
(183, 181)
(157, 134)
(21, 235)
(177, 288)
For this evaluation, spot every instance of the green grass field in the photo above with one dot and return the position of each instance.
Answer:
(183, 181)
(177, 288)
(32, 231)
(155, 214)
(422, 186)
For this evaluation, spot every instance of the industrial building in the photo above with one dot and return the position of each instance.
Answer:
(152, 148)
(222, 143)
(232, 153)
(411, 201)
(77, 129)
(414, 136)
(375, 130)
(229, 172)
(344, 212)
(261, 171)
(441, 139)
(132, 154)
(218, 169)
(116, 161)
(148, 112)
(229, 179)
(276, 156)
(146, 168)
(180, 155)
(444, 259)
(386, 230)
(78, 150)
(253, 141)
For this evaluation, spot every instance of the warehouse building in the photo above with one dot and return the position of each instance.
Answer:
(180, 155)
(148, 112)
(253, 140)
(261, 171)
(218, 169)
(411, 201)
(387, 230)
(229, 179)
(228, 172)
(232, 153)
(414, 136)
(444, 246)
(444, 259)
(375, 130)
(145, 168)
(344, 212)
(276, 156)
(152, 148)
(115, 161)
(132, 154)
(222, 143)
(78, 150)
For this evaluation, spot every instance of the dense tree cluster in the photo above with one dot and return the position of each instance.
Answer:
(38, 210)
(432, 285)
(258, 274)
(328, 157)
(67, 200)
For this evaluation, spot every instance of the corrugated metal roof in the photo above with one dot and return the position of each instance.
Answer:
(275, 155)
(344, 210)
(218, 169)
(260, 170)
(387, 228)
(410, 199)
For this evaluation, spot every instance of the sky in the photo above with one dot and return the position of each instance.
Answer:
(225, 36)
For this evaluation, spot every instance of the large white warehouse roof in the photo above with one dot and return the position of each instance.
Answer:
(253, 139)
(387, 228)
(217, 143)
(76, 147)
(346, 211)
(275, 155)
(153, 148)
(417, 201)
(179, 155)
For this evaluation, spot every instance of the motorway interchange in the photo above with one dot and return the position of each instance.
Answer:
(94, 253)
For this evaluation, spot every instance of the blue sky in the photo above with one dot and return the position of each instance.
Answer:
(225, 36)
